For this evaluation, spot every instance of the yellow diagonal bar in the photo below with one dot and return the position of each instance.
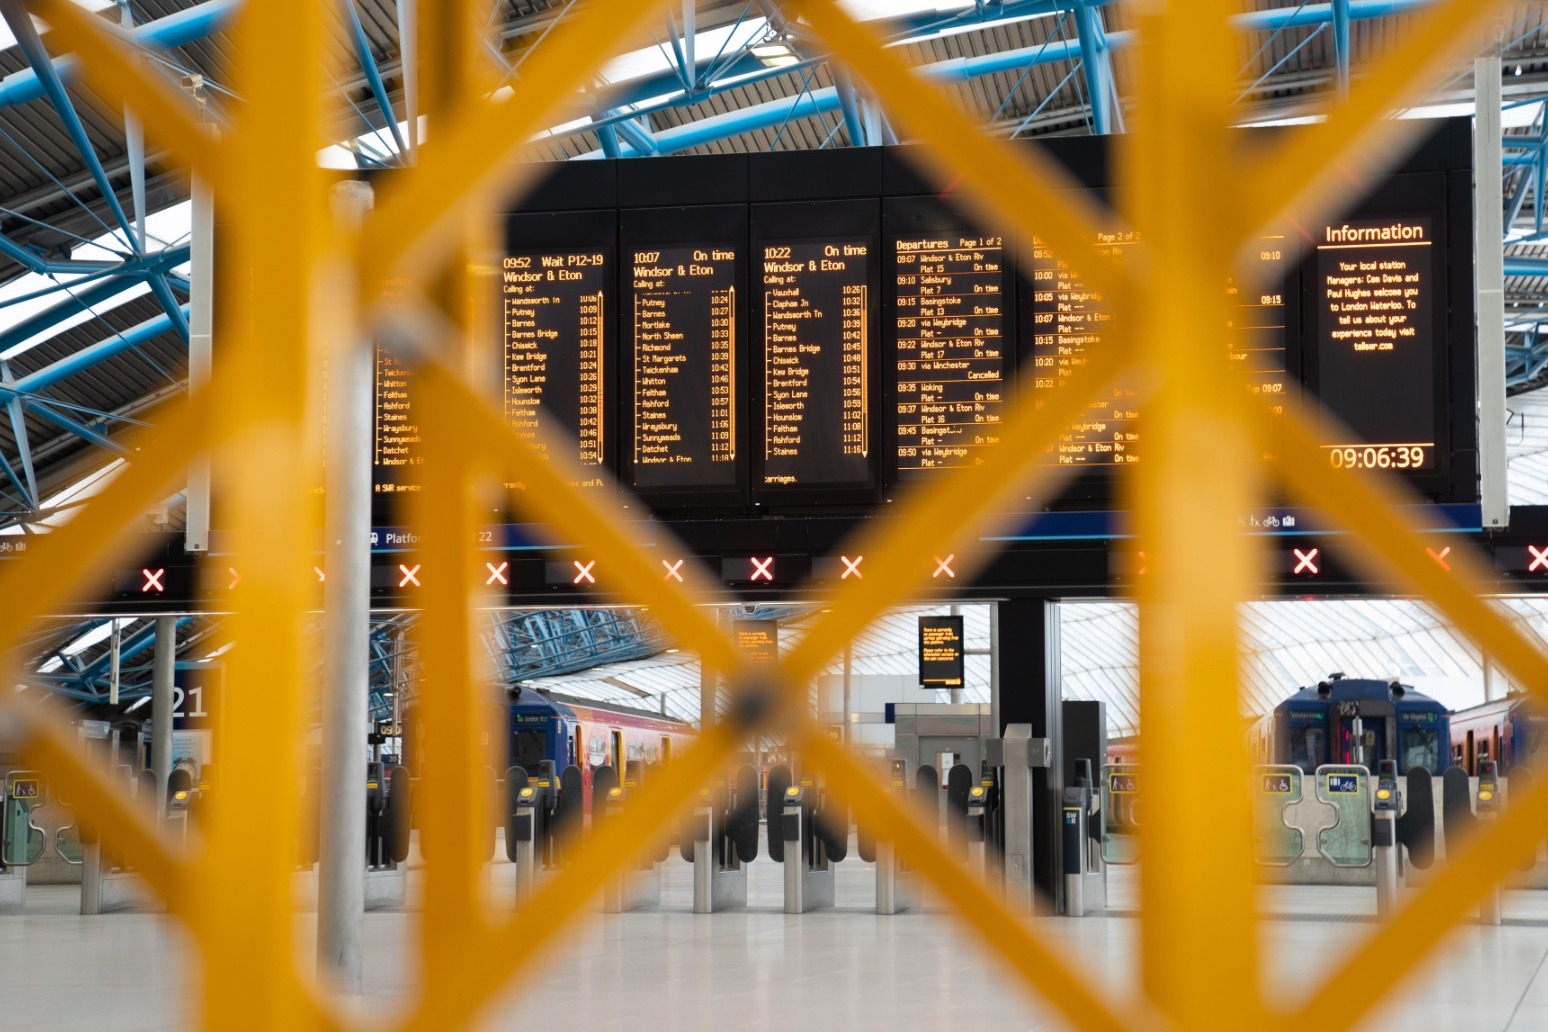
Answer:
(1004, 934)
(947, 514)
(1301, 176)
(125, 828)
(476, 158)
(267, 285)
(1362, 979)
(111, 65)
(1019, 187)
(63, 564)
(1386, 541)
(1199, 957)
(589, 518)
(523, 942)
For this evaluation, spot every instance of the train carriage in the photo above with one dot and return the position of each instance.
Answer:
(1356, 720)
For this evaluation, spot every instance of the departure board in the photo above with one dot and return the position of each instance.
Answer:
(1376, 294)
(814, 301)
(953, 366)
(396, 442)
(554, 307)
(1070, 321)
(681, 322)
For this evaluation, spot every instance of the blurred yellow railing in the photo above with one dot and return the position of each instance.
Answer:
(1186, 185)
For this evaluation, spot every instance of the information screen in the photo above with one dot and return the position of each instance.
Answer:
(554, 307)
(952, 355)
(941, 655)
(681, 323)
(1376, 291)
(815, 300)
(1070, 321)
(396, 451)
(396, 442)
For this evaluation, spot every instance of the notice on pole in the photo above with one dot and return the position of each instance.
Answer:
(940, 652)
(758, 641)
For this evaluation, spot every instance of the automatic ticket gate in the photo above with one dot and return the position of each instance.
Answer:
(639, 883)
(1080, 828)
(1345, 820)
(721, 838)
(813, 835)
(896, 890)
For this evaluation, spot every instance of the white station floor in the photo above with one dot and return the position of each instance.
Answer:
(843, 969)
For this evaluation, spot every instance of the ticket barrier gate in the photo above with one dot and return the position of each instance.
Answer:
(540, 812)
(639, 883)
(1119, 830)
(896, 890)
(813, 834)
(105, 888)
(1081, 830)
(1346, 821)
(1457, 795)
(387, 835)
(720, 839)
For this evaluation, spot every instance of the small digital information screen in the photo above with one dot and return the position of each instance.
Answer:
(815, 299)
(555, 310)
(1375, 290)
(681, 321)
(952, 355)
(941, 656)
(757, 641)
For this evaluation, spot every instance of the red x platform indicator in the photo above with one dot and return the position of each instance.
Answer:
(410, 575)
(499, 573)
(1306, 561)
(1440, 557)
(153, 580)
(1539, 559)
(583, 574)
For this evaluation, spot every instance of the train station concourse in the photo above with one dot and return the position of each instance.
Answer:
(751, 514)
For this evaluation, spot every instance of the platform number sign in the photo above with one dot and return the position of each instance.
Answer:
(1343, 784)
(196, 689)
(1277, 784)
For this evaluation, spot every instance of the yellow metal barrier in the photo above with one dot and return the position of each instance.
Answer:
(1189, 189)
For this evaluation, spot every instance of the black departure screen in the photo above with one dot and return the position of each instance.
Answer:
(1070, 320)
(680, 319)
(815, 300)
(1376, 292)
(554, 306)
(396, 446)
(953, 369)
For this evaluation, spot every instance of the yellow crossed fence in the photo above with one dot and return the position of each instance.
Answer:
(1187, 185)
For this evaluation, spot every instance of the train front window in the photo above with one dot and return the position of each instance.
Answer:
(529, 749)
(1421, 748)
(1308, 748)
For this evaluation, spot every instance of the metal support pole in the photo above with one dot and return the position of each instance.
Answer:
(849, 660)
(346, 635)
(161, 707)
(408, 53)
(114, 661)
(201, 328)
(1489, 202)
(955, 694)
(1341, 44)
(1094, 66)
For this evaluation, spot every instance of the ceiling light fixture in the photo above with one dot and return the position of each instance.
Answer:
(775, 53)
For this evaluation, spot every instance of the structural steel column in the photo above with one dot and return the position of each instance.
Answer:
(161, 706)
(1029, 678)
(341, 806)
(1489, 202)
